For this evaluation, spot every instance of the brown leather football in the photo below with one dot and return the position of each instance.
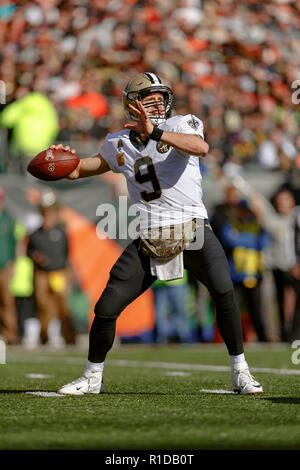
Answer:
(53, 164)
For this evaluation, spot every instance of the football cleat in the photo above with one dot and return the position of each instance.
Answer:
(243, 382)
(90, 382)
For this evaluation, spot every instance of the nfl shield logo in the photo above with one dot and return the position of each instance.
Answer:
(49, 155)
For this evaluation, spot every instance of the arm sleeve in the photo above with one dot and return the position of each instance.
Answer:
(268, 217)
(109, 153)
(189, 124)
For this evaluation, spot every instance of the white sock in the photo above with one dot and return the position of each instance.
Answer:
(32, 328)
(94, 367)
(238, 360)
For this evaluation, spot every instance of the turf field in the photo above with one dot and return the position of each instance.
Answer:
(170, 397)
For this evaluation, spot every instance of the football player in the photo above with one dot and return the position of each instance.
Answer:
(159, 156)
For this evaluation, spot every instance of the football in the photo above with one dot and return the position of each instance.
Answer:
(53, 164)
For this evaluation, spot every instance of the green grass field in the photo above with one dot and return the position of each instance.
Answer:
(155, 398)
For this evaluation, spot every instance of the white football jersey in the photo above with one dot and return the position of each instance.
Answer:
(163, 182)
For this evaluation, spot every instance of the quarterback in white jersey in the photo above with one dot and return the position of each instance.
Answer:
(159, 157)
(163, 182)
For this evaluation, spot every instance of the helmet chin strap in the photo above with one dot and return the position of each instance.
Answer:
(157, 120)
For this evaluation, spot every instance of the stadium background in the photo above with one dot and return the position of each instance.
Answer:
(64, 65)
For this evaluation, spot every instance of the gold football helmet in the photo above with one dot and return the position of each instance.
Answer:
(140, 86)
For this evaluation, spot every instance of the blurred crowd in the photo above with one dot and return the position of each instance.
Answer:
(232, 63)
(36, 278)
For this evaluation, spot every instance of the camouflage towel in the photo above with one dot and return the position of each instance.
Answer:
(165, 243)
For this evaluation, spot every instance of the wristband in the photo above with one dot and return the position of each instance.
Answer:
(156, 134)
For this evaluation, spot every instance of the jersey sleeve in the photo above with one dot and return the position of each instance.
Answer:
(190, 124)
(109, 152)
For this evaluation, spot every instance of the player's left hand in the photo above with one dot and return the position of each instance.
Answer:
(143, 126)
(61, 147)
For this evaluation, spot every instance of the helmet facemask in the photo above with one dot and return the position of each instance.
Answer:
(156, 110)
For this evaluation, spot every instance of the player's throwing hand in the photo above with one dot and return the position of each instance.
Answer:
(143, 125)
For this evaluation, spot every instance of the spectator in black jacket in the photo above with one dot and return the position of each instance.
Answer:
(48, 248)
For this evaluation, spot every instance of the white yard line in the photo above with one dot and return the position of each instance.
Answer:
(39, 376)
(15, 358)
(177, 373)
(45, 394)
(218, 392)
(196, 367)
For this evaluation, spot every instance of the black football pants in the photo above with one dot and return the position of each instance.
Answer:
(131, 276)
